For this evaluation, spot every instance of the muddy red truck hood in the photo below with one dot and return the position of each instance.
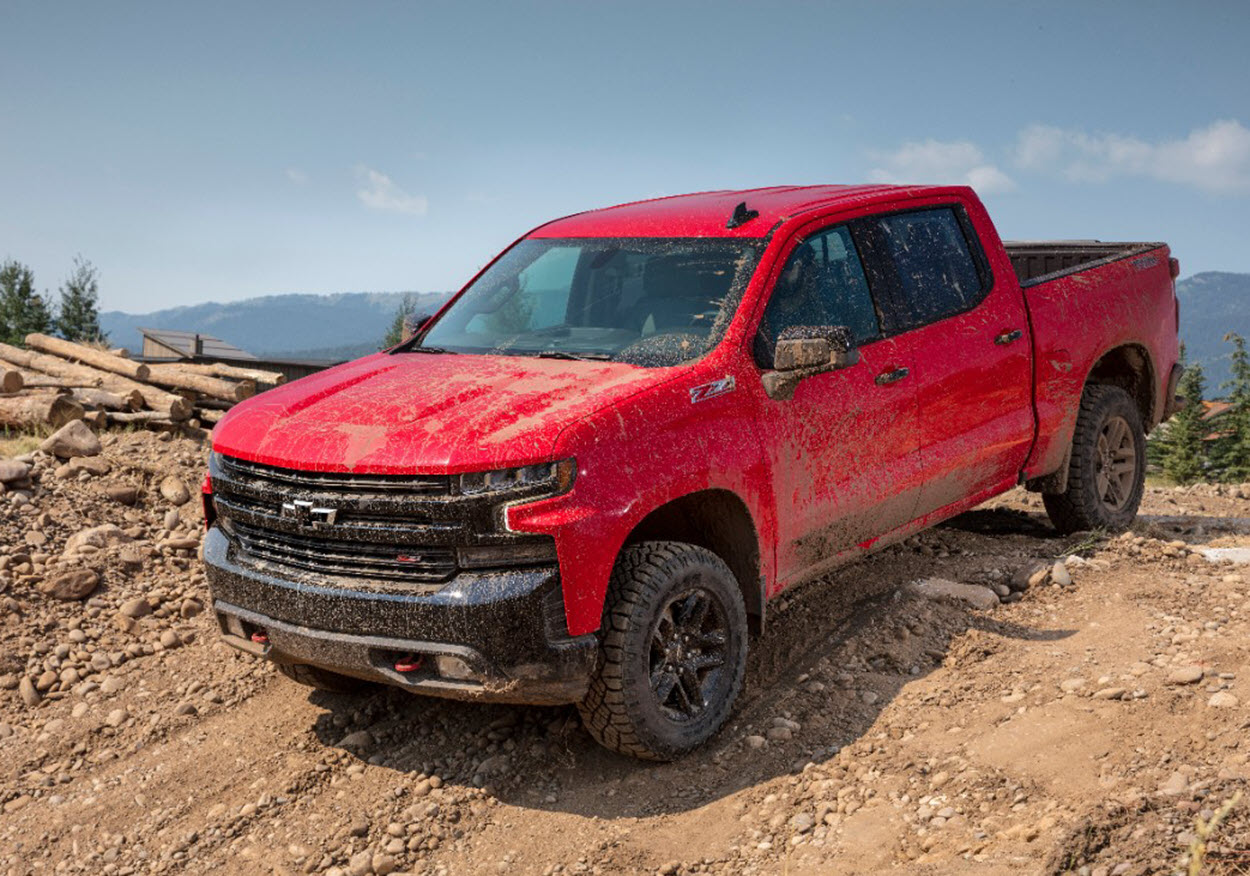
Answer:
(425, 413)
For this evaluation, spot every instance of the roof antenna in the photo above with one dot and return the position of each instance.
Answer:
(741, 216)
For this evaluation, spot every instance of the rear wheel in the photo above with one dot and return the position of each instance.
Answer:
(673, 650)
(323, 679)
(1107, 472)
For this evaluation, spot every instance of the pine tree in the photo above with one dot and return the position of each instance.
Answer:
(22, 309)
(400, 329)
(1184, 454)
(1233, 452)
(79, 317)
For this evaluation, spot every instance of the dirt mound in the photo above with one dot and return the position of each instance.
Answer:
(1082, 720)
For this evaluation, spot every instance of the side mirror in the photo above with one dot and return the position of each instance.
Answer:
(803, 351)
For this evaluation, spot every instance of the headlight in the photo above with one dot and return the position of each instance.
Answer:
(556, 475)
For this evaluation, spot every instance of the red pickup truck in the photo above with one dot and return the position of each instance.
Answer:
(584, 478)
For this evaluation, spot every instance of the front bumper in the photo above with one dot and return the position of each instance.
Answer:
(507, 627)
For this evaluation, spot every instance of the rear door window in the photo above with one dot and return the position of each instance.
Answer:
(937, 273)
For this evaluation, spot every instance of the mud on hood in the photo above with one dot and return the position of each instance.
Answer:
(425, 413)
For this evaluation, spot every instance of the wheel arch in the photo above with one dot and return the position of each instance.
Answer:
(1128, 366)
(719, 520)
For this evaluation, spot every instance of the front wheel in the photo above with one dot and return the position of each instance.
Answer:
(673, 649)
(1107, 473)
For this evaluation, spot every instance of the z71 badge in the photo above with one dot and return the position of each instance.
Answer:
(709, 390)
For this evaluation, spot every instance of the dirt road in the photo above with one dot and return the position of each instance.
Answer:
(1079, 726)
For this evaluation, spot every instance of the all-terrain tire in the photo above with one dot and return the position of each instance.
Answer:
(322, 679)
(1108, 416)
(666, 601)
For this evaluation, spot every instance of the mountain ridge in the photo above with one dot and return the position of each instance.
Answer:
(345, 325)
(341, 325)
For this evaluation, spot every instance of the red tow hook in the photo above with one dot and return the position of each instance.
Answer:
(260, 638)
(411, 663)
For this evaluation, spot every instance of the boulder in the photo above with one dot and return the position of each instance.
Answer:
(75, 438)
(175, 491)
(940, 588)
(70, 585)
(13, 470)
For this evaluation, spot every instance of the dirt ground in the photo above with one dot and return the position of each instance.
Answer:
(1079, 727)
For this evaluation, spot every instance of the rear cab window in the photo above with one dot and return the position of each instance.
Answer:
(938, 267)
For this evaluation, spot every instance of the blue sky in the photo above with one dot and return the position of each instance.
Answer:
(219, 151)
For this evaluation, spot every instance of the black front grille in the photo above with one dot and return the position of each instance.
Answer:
(388, 532)
(420, 565)
(358, 484)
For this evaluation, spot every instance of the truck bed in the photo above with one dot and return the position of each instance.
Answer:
(1039, 261)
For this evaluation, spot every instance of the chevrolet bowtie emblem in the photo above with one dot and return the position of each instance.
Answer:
(305, 513)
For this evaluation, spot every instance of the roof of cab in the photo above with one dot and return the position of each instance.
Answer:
(705, 214)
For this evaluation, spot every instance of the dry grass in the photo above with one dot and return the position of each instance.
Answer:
(15, 443)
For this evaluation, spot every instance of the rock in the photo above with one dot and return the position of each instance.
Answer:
(169, 639)
(493, 765)
(1175, 785)
(12, 470)
(1238, 556)
(780, 734)
(70, 585)
(1023, 578)
(1071, 685)
(1223, 700)
(1110, 693)
(1039, 576)
(100, 537)
(360, 864)
(802, 823)
(174, 490)
(359, 739)
(75, 438)
(755, 743)
(135, 608)
(940, 588)
(1059, 574)
(122, 494)
(1185, 675)
(116, 718)
(191, 607)
(110, 685)
(26, 688)
(172, 519)
(383, 865)
(92, 465)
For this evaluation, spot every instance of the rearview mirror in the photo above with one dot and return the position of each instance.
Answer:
(806, 350)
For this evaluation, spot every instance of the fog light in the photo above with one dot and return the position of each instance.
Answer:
(452, 667)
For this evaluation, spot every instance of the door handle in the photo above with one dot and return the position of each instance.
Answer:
(1008, 337)
(891, 376)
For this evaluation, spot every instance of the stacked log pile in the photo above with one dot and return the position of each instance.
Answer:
(55, 381)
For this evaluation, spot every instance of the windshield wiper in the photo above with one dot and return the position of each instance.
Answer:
(419, 349)
(579, 357)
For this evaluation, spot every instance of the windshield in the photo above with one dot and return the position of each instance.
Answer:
(651, 302)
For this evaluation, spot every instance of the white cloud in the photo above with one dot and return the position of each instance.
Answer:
(934, 161)
(379, 192)
(1215, 158)
(297, 176)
